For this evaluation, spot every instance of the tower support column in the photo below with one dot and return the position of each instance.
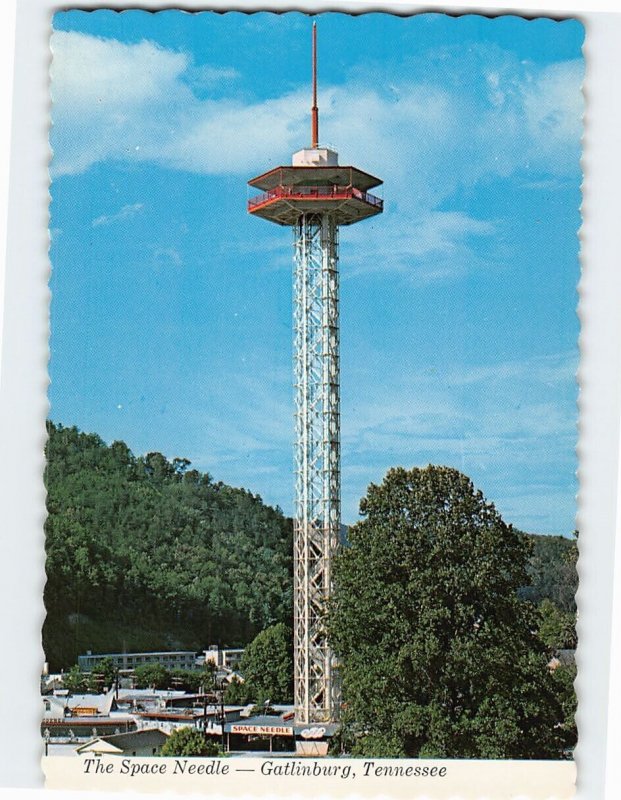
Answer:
(317, 459)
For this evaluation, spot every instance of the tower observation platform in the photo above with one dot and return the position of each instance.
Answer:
(314, 197)
(309, 188)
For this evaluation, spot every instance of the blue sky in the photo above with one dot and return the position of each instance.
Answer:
(171, 306)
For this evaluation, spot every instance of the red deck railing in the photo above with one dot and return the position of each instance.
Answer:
(314, 193)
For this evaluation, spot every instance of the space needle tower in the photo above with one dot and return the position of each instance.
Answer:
(314, 197)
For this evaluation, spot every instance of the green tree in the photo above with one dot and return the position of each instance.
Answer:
(267, 666)
(557, 629)
(188, 741)
(75, 680)
(152, 676)
(439, 655)
(564, 677)
(237, 693)
(193, 680)
(146, 554)
(185, 680)
(552, 571)
(207, 676)
(104, 674)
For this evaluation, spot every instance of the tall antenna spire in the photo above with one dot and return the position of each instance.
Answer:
(314, 109)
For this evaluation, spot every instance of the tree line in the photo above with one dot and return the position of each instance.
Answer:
(443, 617)
(146, 553)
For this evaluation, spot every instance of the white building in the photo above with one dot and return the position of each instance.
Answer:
(173, 659)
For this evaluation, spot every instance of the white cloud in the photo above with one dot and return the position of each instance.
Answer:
(140, 94)
(550, 370)
(109, 98)
(553, 109)
(206, 76)
(221, 137)
(460, 118)
(126, 212)
(427, 402)
(163, 256)
(88, 70)
(507, 425)
(425, 245)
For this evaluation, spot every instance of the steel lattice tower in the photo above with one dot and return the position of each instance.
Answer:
(315, 196)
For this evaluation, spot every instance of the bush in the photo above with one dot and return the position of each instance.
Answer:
(190, 742)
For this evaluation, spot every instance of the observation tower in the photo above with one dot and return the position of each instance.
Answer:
(315, 196)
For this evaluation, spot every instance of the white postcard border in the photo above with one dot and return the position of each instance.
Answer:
(23, 380)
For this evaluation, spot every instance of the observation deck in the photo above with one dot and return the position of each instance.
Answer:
(289, 192)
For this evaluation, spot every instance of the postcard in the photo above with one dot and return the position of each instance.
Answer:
(310, 462)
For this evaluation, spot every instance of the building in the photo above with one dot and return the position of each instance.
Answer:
(70, 719)
(74, 730)
(144, 699)
(175, 659)
(203, 716)
(146, 742)
(64, 705)
(226, 659)
(278, 733)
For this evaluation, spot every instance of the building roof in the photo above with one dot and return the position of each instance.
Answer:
(171, 715)
(259, 720)
(230, 675)
(148, 695)
(307, 176)
(101, 703)
(122, 742)
(190, 713)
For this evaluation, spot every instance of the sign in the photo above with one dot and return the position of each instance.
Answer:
(312, 733)
(268, 730)
(85, 711)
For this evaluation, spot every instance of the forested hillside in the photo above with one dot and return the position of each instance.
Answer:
(552, 570)
(145, 553)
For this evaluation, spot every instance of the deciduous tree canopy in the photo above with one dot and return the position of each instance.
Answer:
(267, 668)
(440, 656)
(188, 741)
(144, 553)
(557, 629)
(552, 570)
